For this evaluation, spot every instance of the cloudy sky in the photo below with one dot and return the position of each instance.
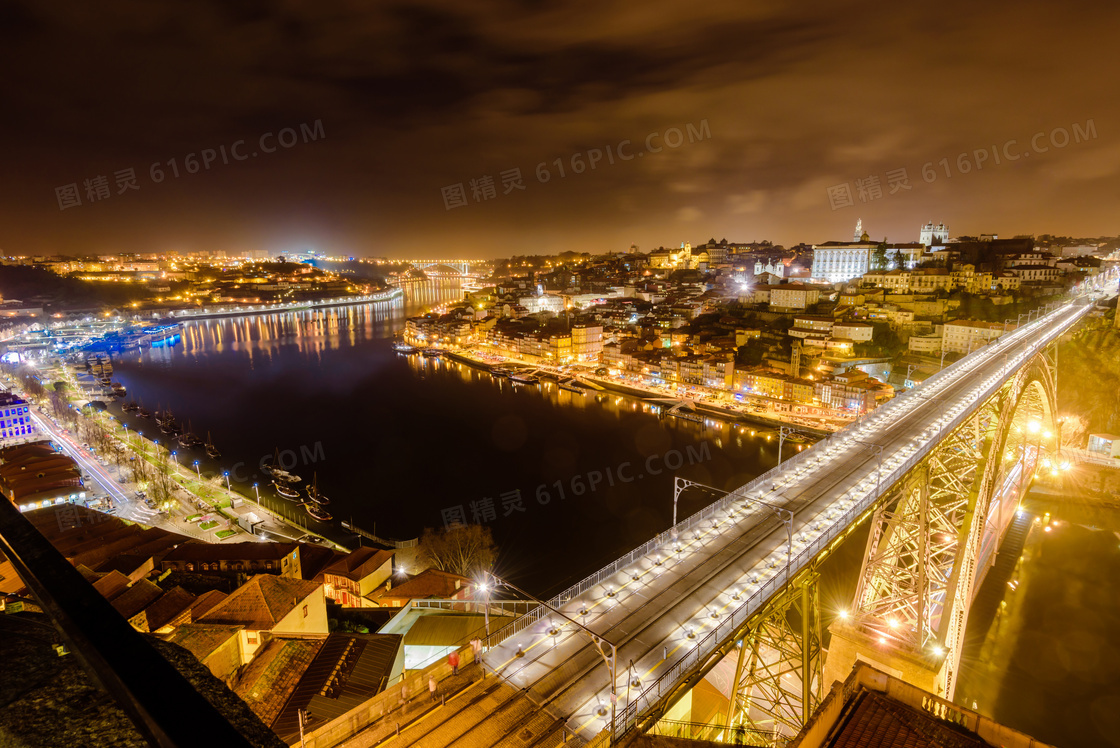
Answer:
(804, 117)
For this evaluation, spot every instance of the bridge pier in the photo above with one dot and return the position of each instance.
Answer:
(850, 644)
(779, 662)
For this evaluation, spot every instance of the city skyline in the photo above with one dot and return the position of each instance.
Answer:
(737, 122)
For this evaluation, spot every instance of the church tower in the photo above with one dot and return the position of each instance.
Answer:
(859, 231)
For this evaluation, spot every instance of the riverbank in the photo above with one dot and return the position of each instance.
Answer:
(619, 388)
(300, 306)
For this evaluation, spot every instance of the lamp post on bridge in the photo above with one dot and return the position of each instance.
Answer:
(879, 467)
(611, 659)
(783, 432)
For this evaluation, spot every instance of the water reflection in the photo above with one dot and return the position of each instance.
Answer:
(406, 440)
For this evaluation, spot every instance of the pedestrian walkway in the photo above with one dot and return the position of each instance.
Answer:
(417, 706)
(473, 712)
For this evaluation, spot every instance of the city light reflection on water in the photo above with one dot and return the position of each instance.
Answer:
(406, 438)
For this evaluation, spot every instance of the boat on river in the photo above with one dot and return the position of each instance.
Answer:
(286, 490)
(314, 494)
(318, 512)
(573, 386)
(211, 451)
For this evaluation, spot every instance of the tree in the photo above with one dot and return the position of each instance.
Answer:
(465, 550)
(750, 353)
(163, 485)
(879, 258)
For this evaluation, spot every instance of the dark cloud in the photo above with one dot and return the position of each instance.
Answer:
(417, 96)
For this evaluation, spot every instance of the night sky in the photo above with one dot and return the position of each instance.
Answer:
(798, 98)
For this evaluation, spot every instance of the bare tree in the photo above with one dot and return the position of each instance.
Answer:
(162, 483)
(465, 550)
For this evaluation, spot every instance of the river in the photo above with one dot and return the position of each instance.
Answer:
(567, 482)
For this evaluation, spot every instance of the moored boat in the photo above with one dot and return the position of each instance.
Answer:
(573, 386)
(313, 492)
(402, 347)
(318, 512)
(521, 378)
(211, 450)
(285, 490)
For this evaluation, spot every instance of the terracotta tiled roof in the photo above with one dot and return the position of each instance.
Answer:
(199, 551)
(136, 598)
(163, 611)
(111, 585)
(260, 603)
(428, 583)
(272, 676)
(202, 639)
(360, 563)
(883, 723)
(205, 602)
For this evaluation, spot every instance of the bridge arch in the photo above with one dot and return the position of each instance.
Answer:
(929, 533)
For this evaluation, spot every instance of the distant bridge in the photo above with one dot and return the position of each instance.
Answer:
(464, 267)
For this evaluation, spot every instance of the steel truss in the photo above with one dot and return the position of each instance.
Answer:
(919, 569)
(779, 661)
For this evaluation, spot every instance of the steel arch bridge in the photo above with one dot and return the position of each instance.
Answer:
(918, 578)
(463, 266)
(938, 471)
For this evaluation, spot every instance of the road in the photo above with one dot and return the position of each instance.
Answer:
(126, 504)
(661, 607)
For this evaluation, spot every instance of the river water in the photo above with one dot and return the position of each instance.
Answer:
(400, 443)
(1046, 659)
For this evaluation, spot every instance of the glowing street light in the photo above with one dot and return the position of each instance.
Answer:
(199, 472)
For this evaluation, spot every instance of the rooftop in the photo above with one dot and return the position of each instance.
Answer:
(360, 563)
(260, 603)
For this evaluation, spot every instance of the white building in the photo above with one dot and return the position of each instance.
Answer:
(774, 267)
(931, 234)
(861, 332)
(16, 424)
(545, 303)
(966, 335)
(925, 344)
(793, 296)
(837, 262)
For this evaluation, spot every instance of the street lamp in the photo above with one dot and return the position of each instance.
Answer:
(197, 471)
(228, 488)
(601, 644)
(484, 586)
(783, 432)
